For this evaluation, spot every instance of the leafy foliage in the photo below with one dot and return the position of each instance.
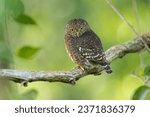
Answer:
(147, 71)
(29, 95)
(14, 7)
(27, 52)
(142, 93)
(24, 19)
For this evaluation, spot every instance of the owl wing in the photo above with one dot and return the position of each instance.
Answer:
(90, 54)
(91, 48)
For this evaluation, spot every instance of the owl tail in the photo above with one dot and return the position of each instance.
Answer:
(106, 68)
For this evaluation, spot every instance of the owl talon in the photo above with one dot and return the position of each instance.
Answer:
(72, 81)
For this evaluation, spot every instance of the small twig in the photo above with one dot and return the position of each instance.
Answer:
(137, 76)
(138, 25)
(122, 17)
(135, 9)
(127, 22)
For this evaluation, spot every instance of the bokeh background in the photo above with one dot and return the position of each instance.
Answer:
(31, 38)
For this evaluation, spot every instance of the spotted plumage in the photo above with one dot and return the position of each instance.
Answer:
(84, 46)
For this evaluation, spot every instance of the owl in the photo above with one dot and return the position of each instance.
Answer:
(84, 46)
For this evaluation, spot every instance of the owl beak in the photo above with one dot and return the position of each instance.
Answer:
(78, 34)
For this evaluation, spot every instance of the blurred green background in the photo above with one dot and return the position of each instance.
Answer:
(31, 38)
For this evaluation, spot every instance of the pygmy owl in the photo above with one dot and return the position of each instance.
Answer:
(84, 46)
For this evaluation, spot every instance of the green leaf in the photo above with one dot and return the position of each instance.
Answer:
(5, 53)
(147, 71)
(29, 95)
(24, 19)
(142, 93)
(14, 7)
(27, 52)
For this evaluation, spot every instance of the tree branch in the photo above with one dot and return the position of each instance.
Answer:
(113, 53)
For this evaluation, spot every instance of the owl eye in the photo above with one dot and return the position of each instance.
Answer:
(81, 28)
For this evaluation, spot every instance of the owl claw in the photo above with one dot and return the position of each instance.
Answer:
(72, 81)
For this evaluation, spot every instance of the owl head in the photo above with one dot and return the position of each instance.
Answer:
(76, 27)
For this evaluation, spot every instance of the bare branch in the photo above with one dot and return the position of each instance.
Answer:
(113, 53)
